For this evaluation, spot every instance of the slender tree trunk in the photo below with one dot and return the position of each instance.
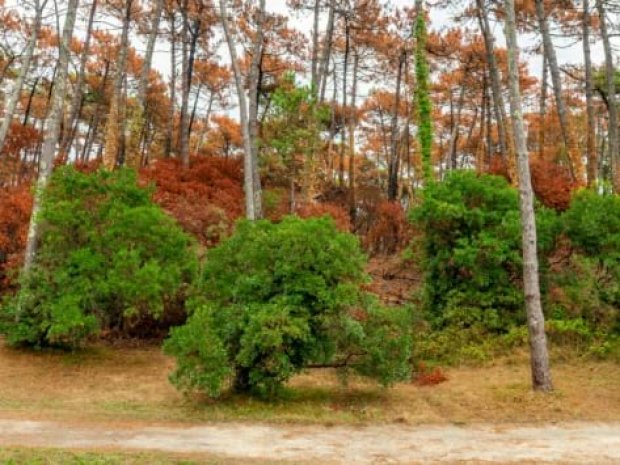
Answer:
(425, 123)
(495, 78)
(327, 51)
(610, 74)
(589, 90)
(352, 120)
(52, 133)
(574, 160)
(343, 119)
(143, 84)
(16, 91)
(254, 79)
(33, 90)
(173, 86)
(542, 112)
(115, 134)
(252, 213)
(188, 71)
(541, 373)
(394, 162)
(315, 46)
(78, 98)
(454, 137)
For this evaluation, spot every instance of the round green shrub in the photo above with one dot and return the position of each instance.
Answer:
(280, 297)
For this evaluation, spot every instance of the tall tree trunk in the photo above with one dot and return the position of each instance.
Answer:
(610, 73)
(454, 137)
(315, 46)
(254, 79)
(115, 134)
(394, 162)
(173, 85)
(425, 124)
(52, 132)
(542, 111)
(16, 91)
(541, 373)
(327, 51)
(343, 119)
(574, 160)
(188, 71)
(78, 98)
(252, 210)
(589, 90)
(352, 120)
(143, 83)
(496, 80)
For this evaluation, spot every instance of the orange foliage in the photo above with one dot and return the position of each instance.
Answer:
(205, 199)
(552, 184)
(429, 377)
(338, 213)
(15, 207)
(389, 231)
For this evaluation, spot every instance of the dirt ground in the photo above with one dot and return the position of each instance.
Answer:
(120, 399)
(578, 443)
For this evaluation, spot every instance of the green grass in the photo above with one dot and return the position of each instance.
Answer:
(27, 456)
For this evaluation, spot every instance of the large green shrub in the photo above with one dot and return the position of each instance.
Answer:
(108, 258)
(279, 297)
(472, 251)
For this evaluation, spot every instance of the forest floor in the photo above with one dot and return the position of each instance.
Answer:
(119, 398)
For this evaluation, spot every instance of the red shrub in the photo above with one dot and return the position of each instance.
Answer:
(389, 231)
(205, 199)
(552, 184)
(425, 376)
(338, 213)
(15, 207)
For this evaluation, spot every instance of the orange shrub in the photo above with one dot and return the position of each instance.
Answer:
(205, 199)
(389, 231)
(552, 184)
(15, 207)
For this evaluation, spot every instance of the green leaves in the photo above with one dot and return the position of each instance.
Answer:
(279, 297)
(108, 258)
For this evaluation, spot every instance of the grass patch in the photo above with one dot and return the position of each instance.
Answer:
(28, 456)
(131, 385)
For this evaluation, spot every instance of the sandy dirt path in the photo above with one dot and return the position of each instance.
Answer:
(583, 443)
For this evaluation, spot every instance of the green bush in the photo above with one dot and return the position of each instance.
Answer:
(108, 258)
(472, 251)
(280, 297)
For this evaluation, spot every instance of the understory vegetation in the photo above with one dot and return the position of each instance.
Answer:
(256, 303)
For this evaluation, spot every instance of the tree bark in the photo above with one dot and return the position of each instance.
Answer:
(115, 134)
(394, 163)
(541, 373)
(589, 91)
(327, 51)
(610, 73)
(78, 98)
(252, 211)
(11, 105)
(52, 133)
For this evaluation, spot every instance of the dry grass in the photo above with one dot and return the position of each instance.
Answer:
(130, 385)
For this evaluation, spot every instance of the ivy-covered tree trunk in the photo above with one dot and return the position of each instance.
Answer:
(52, 132)
(541, 373)
(16, 91)
(425, 125)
